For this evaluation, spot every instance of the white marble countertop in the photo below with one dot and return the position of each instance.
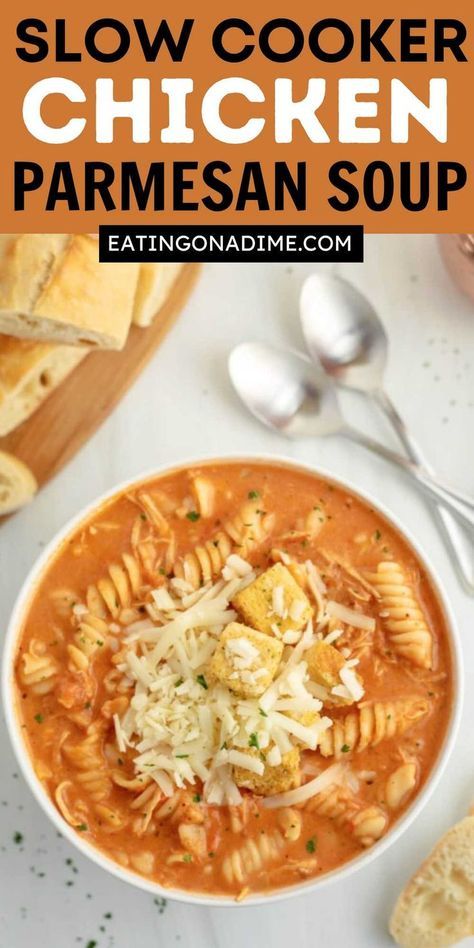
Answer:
(183, 405)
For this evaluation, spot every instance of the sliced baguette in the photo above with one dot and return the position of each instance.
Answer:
(29, 371)
(53, 289)
(436, 908)
(155, 282)
(17, 483)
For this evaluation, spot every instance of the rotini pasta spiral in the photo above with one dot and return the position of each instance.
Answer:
(403, 616)
(117, 591)
(365, 823)
(370, 724)
(86, 756)
(254, 855)
(88, 639)
(248, 529)
(39, 669)
(205, 561)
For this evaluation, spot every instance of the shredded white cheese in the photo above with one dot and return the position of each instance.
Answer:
(183, 727)
(350, 616)
(278, 601)
(332, 776)
(351, 682)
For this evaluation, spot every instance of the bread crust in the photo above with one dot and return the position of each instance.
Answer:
(436, 907)
(29, 372)
(53, 288)
(155, 282)
(17, 483)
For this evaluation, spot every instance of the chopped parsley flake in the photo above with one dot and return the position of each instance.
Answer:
(311, 845)
(263, 713)
(202, 681)
(253, 495)
(253, 741)
(18, 838)
(187, 857)
(345, 748)
(82, 827)
(377, 535)
(39, 718)
(193, 515)
(181, 756)
(197, 798)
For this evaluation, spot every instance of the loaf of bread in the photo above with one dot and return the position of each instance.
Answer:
(53, 289)
(17, 483)
(436, 908)
(29, 371)
(155, 282)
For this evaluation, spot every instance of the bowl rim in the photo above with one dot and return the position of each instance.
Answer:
(97, 855)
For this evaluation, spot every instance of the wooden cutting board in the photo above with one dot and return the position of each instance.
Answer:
(70, 415)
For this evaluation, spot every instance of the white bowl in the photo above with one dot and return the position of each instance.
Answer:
(197, 898)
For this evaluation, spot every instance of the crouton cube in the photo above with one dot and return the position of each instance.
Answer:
(245, 660)
(324, 664)
(274, 603)
(306, 718)
(283, 776)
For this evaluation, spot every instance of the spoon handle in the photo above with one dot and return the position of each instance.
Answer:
(460, 505)
(455, 538)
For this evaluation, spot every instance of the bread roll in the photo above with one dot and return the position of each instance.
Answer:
(155, 282)
(436, 908)
(53, 289)
(29, 371)
(17, 483)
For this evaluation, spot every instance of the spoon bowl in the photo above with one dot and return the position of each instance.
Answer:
(345, 336)
(343, 332)
(285, 391)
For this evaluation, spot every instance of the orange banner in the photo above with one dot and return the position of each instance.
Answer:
(269, 113)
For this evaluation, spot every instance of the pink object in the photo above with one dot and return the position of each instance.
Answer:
(458, 254)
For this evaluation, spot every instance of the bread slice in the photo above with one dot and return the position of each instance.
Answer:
(155, 282)
(29, 371)
(17, 483)
(436, 908)
(53, 288)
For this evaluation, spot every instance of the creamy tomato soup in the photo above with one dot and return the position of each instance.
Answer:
(233, 678)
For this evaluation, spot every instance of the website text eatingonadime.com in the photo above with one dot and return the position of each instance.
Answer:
(237, 241)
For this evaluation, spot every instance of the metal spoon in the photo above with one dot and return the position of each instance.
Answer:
(345, 335)
(286, 392)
